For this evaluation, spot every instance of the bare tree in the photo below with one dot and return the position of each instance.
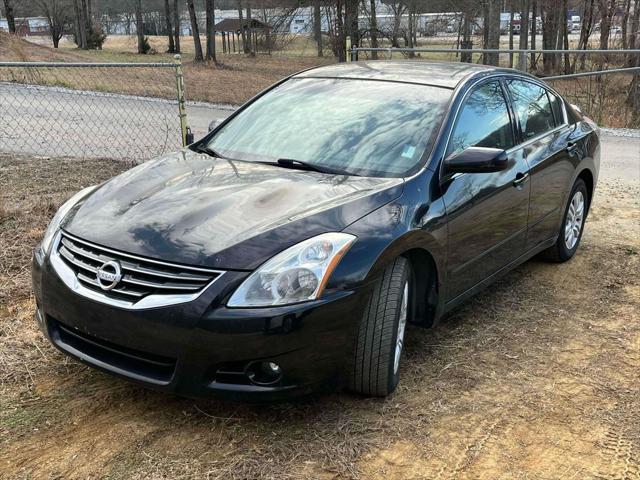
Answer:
(523, 41)
(585, 30)
(607, 10)
(176, 25)
(511, 17)
(243, 32)
(317, 26)
(81, 23)
(167, 19)
(9, 14)
(534, 29)
(195, 31)
(492, 28)
(625, 23)
(58, 15)
(140, 28)
(210, 30)
(373, 28)
(351, 21)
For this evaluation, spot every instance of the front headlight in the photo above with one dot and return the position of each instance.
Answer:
(295, 275)
(59, 216)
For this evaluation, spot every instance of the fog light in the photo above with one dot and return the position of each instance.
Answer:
(264, 373)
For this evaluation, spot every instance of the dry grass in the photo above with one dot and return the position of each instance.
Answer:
(233, 81)
(535, 378)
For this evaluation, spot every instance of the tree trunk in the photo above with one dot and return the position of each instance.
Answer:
(211, 33)
(176, 25)
(585, 31)
(634, 39)
(243, 33)
(549, 33)
(493, 32)
(167, 19)
(9, 14)
(565, 36)
(534, 28)
(139, 27)
(625, 24)
(195, 31)
(250, 31)
(607, 9)
(524, 25)
(340, 33)
(373, 27)
(511, 34)
(81, 24)
(351, 16)
(317, 26)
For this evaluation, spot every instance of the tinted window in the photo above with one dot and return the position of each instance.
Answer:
(483, 121)
(363, 127)
(556, 106)
(532, 106)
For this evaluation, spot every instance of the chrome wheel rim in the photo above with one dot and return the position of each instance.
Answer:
(402, 323)
(575, 217)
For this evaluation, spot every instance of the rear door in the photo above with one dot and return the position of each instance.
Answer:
(486, 212)
(546, 145)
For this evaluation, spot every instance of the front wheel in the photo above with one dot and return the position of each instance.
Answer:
(376, 363)
(572, 224)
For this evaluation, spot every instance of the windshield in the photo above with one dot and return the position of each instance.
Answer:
(361, 127)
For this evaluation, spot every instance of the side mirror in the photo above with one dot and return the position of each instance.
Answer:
(477, 160)
(214, 123)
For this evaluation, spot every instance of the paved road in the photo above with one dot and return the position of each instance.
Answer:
(52, 121)
(58, 122)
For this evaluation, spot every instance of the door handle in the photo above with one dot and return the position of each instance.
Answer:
(520, 178)
(571, 147)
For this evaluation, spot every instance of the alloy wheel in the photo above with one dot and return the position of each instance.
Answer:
(402, 323)
(575, 217)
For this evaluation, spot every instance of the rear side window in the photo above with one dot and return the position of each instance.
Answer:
(483, 121)
(556, 107)
(532, 107)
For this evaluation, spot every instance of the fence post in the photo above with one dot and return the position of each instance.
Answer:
(354, 53)
(187, 136)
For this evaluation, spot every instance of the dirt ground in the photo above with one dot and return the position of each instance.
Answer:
(536, 378)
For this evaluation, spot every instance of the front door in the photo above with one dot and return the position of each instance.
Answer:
(486, 212)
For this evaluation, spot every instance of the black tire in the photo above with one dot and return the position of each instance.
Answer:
(559, 252)
(372, 372)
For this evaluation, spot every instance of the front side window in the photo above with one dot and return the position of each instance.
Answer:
(483, 121)
(532, 107)
(369, 128)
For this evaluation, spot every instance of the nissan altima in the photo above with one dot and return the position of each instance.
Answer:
(286, 251)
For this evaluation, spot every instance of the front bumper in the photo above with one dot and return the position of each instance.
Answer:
(201, 348)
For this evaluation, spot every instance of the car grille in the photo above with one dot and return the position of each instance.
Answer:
(140, 277)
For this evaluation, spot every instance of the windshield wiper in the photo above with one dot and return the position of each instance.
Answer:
(209, 151)
(300, 165)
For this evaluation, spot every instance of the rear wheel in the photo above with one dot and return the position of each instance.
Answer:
(572, 224)
(376, 363)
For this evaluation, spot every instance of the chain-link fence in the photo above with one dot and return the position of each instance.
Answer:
(111, 110)
(605, 84)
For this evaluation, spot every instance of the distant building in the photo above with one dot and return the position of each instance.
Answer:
(27, 26)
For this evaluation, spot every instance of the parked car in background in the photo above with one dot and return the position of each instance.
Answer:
(287, 250)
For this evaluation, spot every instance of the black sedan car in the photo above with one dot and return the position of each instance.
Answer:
(287, 250)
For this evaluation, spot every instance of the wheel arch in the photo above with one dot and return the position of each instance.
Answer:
(587, 176)
(425, 286)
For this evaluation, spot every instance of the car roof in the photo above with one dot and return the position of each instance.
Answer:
(439, 74)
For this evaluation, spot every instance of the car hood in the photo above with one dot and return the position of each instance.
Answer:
(193, 209)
